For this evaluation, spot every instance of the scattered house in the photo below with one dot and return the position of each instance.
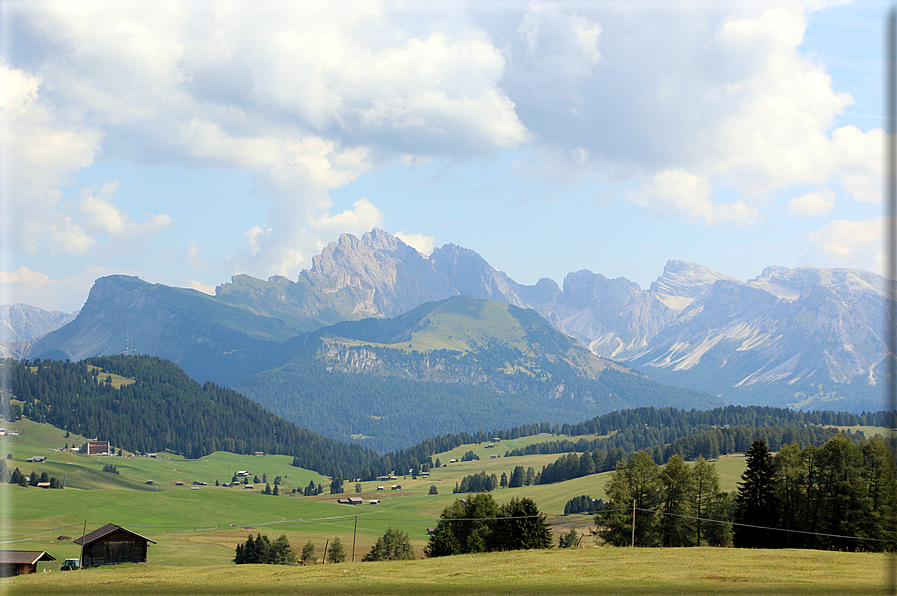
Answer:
(37, 459)
(248, 486)
(490, 446)
(493, 456)
(425, 474)
(374, 501)
(431, 531)
(179, 483)
(194, 488)
(453, 461)
(149, 481)
(21, 562)
(2, 432)
(395, 487)
(496, 440)
(13, 432)
(259, 453)
(111, 545)
(393, 477)
(95, 447)
(351, 501)
(43, 485)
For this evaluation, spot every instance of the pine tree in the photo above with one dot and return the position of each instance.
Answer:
(677, 487)
(281, 552)
(308, 554)
(755, 502)
(392, 546)
(335, 552)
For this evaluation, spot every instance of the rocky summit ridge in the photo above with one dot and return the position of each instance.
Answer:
(804, 337)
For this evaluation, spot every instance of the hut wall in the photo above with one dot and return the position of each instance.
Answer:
(114, 549)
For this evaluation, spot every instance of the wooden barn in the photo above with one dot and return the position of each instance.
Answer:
(21, 562)
(111, 545)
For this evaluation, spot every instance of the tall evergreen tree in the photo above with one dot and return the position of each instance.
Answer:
(676, 525)
(756, 505)
(636, 483)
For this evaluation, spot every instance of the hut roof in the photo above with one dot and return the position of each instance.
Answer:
(24, 557)
(105, 531)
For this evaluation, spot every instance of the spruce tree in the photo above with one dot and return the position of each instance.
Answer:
(335, 552)
(755, 502)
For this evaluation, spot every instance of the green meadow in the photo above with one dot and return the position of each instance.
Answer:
(208, 521)
(196, 531)
(585, 571)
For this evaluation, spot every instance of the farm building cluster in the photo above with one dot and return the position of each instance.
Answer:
(108, 545)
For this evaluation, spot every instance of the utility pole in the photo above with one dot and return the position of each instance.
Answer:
(83, 534)
(633, 522)
(354, 534)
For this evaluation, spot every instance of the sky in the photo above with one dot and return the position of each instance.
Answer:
(189, 141)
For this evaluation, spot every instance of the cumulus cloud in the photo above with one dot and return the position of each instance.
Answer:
(812, 204)
(194, 256)
(201, 287)
(41, 148)
(720, 90)
(677, 193)
(101, 216)
(321, 97)
(846, 243)
(39, 289)
(421, 242)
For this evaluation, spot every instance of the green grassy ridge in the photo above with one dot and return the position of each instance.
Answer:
(586, 571)
(193, 527)
(85, 471)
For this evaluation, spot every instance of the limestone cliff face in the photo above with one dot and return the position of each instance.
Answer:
(20, 322)
(787, 328)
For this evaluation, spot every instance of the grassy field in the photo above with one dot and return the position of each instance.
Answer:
(201, 527)
(585, 571)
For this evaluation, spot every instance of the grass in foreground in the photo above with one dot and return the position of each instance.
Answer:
(582, 571)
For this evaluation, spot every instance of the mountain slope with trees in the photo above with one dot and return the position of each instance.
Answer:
(164, 409)
(445, 367)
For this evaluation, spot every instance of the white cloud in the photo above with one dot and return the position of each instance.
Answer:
(24, 280)
(812, 204)
(67, 294)
(677, 193)
(194, 258)
(861, 161)
(421, 242)
(317, 99)
(201, 287)
(101, 216)
(41, 148)
(846, 243)
(363, 216)
(720, 90)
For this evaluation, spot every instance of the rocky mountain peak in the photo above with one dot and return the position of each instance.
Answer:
(682, 282)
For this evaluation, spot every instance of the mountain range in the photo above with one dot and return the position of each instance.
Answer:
(804, 337)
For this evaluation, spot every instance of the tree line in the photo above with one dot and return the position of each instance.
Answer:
(478, 524)
(164, 409)
(841, 496)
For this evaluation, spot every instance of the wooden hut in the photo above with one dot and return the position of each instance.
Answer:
(21, 562)
(111, 545)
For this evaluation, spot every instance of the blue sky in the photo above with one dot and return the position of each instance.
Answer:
(186, 142)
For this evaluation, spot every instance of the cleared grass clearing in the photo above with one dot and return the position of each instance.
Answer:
(586, 571)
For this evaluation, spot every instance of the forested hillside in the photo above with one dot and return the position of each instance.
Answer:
(448, 367)
(166, 410)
